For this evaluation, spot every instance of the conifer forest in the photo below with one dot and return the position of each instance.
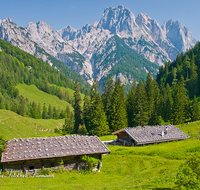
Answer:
(171, 97)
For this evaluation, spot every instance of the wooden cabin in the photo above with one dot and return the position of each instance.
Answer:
(138, 136)
(36, 153)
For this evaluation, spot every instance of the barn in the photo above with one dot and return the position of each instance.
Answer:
(47, 152)
(139, 136)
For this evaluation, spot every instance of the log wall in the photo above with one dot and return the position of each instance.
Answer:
(70, 163)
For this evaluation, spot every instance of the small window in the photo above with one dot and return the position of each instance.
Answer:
(65, 162)
(31, 168)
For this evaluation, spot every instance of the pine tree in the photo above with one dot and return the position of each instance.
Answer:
(2, 102)
(77, 107)
(55, 113)
(130, 105)
(22, 107)
(181, 103)
(195, 114)
(98, 122)
(141, 111)
(150, 95)
(106, 97)
(50, 112)
(168, 104)
(193, 76)
(86, 110)
(44, 112)
(118, 117)
(33, 111)
(158, 105)
(39, 111)
(68, 127)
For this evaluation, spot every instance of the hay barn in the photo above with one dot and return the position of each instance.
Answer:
(138, 136)
(36, 153)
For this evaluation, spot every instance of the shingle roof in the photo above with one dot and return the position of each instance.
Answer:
(152, 134)
(49, 147)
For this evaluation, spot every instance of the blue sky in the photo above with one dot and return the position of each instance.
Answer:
(77, 13)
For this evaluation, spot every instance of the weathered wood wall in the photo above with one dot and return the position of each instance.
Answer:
(70, 163)
(124, 137)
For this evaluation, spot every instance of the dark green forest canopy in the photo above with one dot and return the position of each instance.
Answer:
(40, 69)
(187, 65)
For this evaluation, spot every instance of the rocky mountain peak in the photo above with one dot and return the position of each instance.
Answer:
(119, 20)
(143, 19)
(97, 49)
(7, 20)
(178, 35)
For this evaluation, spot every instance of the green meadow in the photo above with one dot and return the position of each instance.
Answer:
(148, 167)
(34, 94)
(13, 125)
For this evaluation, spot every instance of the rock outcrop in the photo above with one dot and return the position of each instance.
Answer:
(93, 51)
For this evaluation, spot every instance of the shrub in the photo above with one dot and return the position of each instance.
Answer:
(188, 176)
(43, 172)
(90, 162)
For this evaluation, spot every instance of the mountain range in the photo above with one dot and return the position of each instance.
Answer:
(119, 45)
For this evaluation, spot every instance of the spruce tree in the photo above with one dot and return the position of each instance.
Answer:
(106, 97)
(2, 102)
(44, 112)
(50, 112)
(39, 111)
(22, 107)
(195, 114)
(168, 104)
(141, 112)
(150, 95)
(193, 82)
(118, 116)
(130, 105)
(158, 105)
(86, 110)
(34, 113)
(55, 113)
(98, 122)
(181, 103)
(77, 107)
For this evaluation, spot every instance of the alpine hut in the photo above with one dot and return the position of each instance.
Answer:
(36, 153)
(138, 136)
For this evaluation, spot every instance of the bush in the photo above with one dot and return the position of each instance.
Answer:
(188, 176)
(90, 162)
(43, 172)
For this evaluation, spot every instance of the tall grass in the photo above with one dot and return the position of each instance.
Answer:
(16, 126)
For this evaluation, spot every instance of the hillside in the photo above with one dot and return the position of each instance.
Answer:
(27, 83)
(148, 167)
(34, 94)
(87, 50)
(186, 65)
(13, 125)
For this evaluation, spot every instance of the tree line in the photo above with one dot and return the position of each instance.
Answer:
(147, 103)
(17, 67)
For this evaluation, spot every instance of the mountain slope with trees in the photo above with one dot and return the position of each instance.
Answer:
(17, 66)
(166, 98)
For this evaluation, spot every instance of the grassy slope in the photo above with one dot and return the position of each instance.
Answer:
(16, 126)
(34, 94)
(148, 167)
(70, 93)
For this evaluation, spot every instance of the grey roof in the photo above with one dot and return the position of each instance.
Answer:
(50, 147)
(152, 134)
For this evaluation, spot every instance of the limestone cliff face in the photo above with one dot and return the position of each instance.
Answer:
(93, 51)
